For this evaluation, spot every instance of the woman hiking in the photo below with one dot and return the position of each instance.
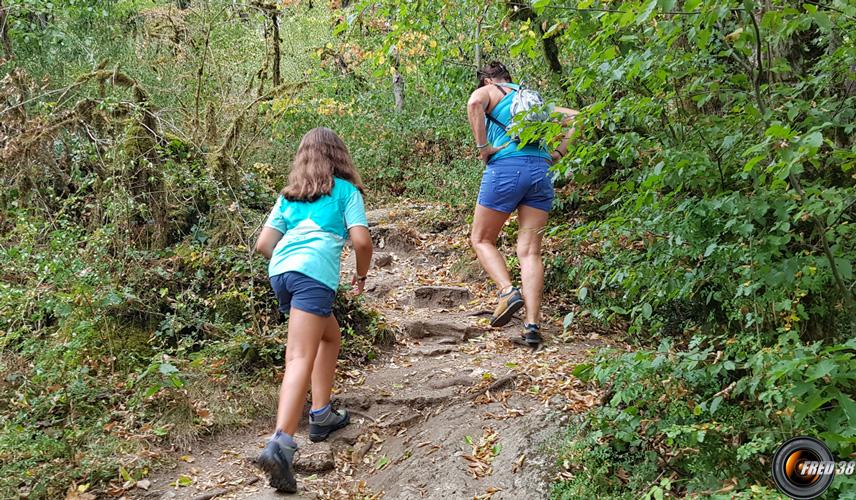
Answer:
(314, 215)
(516, 178)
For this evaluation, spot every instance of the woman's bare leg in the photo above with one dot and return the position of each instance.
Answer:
(305, 331)
(487, 223)
(531, 232)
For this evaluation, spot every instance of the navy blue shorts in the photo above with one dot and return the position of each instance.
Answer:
(517, 180)
(299, 291)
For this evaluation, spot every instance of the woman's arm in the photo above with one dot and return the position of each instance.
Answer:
(267, 241)
(562, 149)
(476, 107)
(362, 243)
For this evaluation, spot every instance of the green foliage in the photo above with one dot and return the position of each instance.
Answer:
(113, 342)
(718, 145)
(713, 416)
(363, 330)
(733, 198)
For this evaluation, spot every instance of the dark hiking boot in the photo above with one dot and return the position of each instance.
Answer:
(509, 303)
(531, 336)
(277, 459)
(333, 421)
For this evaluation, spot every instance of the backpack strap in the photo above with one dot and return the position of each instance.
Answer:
(496, 122)
(503, 86)
(490, 116)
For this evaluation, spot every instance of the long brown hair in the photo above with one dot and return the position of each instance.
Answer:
(320, 157)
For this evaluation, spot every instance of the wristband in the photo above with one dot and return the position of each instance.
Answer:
(482, 146)
(361, 278)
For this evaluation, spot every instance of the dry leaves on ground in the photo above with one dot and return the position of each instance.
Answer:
(483, 453)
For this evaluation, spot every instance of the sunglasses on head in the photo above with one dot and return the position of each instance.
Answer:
(496, 69)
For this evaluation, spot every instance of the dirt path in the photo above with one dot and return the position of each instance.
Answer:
(453, 411)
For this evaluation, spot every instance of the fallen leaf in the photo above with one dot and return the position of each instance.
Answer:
(183, 481)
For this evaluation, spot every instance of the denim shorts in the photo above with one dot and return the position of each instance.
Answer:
(299, 291)
(517, 180)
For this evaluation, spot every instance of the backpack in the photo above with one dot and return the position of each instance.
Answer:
(526, 105)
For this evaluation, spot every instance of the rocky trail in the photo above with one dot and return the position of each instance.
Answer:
(453, 410)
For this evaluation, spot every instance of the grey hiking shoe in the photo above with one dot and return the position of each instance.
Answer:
(333, 421)
(530, 337)
(277, 459)
(509, 303)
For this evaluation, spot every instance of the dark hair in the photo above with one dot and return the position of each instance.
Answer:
(494, 70)
(320, 157)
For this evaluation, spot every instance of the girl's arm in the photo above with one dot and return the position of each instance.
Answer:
(272, 230)
(267, 241)
(362, 243)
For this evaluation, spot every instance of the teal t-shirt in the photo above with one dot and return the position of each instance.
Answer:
(314, 232)
(496, 135)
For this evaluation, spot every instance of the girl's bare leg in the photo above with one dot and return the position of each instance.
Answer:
(324, 370)
(305, 331)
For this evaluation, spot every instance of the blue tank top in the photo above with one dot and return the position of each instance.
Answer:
(496, 135)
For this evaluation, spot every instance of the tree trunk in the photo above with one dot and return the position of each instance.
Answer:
(551, 51)
(398, 90)
(4, 32)
(397, 80)
(199, 74)
(478, 53)
(277, 41)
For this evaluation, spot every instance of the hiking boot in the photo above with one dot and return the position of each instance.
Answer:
(509, 303)
(530, 337)
(333, 421)
(277, 459)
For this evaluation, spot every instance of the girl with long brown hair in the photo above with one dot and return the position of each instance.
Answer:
(316, 212)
